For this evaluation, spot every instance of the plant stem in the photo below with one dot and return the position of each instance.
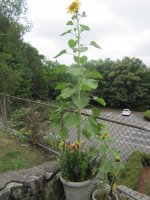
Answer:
(79, 79)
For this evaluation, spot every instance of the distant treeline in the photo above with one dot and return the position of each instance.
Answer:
(26, 73)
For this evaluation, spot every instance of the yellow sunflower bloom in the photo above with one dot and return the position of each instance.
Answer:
(74, 6)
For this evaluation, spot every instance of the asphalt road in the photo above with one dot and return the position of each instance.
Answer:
(128, 139)
(137, 117)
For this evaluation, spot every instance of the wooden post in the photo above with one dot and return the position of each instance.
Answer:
(4, 108)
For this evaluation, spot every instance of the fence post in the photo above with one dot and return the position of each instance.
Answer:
(4, 109)
(1, 106)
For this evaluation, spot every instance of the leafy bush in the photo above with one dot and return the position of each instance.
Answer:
(22, 134)
(147, 115)
(148, 188)
(133, 167)
(27, 122)
(131, 174)
(52, 141)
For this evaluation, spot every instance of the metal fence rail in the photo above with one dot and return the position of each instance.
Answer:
(129, 135)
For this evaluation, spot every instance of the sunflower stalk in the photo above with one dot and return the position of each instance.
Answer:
(79, 82)
(80, 92)
(75, 157)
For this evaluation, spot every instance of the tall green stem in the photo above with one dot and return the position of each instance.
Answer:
(79, 79)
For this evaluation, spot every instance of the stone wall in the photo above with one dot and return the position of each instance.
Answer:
(42, 183)
(38, 183)
(129, 194)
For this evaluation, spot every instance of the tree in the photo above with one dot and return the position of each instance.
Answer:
(13, 10)
(124, 83)
(11, 33)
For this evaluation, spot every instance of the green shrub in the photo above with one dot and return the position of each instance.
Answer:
(28, 121)
(148, 188)
(130, 175)
(147, 115)
(52, 141)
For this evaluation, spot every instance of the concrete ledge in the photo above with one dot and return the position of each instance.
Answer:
(131, 194)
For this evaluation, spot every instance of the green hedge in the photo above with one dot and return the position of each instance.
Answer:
(130, 175)
(148, 188)
(147, 115)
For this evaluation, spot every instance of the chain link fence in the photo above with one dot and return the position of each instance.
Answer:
(27, 118)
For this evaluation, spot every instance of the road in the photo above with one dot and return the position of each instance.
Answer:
(128, 139)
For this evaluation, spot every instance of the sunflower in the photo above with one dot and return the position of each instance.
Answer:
(74, 6)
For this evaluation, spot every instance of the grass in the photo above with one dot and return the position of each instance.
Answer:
(13, 156)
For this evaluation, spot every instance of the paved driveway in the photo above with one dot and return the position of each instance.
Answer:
(116, 113)
(128, 138)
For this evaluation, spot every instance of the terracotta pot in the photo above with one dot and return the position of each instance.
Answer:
(77, 190)
(106, 191)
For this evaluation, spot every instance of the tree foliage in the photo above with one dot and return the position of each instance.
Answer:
(24, 72)
(125, 83)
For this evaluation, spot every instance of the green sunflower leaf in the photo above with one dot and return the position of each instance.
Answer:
(69, 23)
(76, 71)
(80, 103)
(89, 84)
(83, 59)
(60, 69)
(76, 59)
(94, 44)
(71, 120)
(86, 133)
(100, 100)
(63, 133)
(60, 53)
(72, 43)
(62, 85)
(96, 111)
(93, 74)
(80, 49)
(84, 27)
(69, 31)
(68, 92)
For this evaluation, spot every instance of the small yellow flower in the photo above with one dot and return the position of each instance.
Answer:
(104, 136)
(76, 144)
(61, 143)
(74, 6)
(117, 159)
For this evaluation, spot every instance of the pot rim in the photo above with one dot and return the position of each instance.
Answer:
(75, 184)
(96, 191)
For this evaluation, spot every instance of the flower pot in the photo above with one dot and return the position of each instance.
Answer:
(77, 190)
(104, 191)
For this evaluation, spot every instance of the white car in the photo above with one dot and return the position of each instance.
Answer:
(126, 112)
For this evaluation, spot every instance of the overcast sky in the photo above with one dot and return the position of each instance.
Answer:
(120, 27)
